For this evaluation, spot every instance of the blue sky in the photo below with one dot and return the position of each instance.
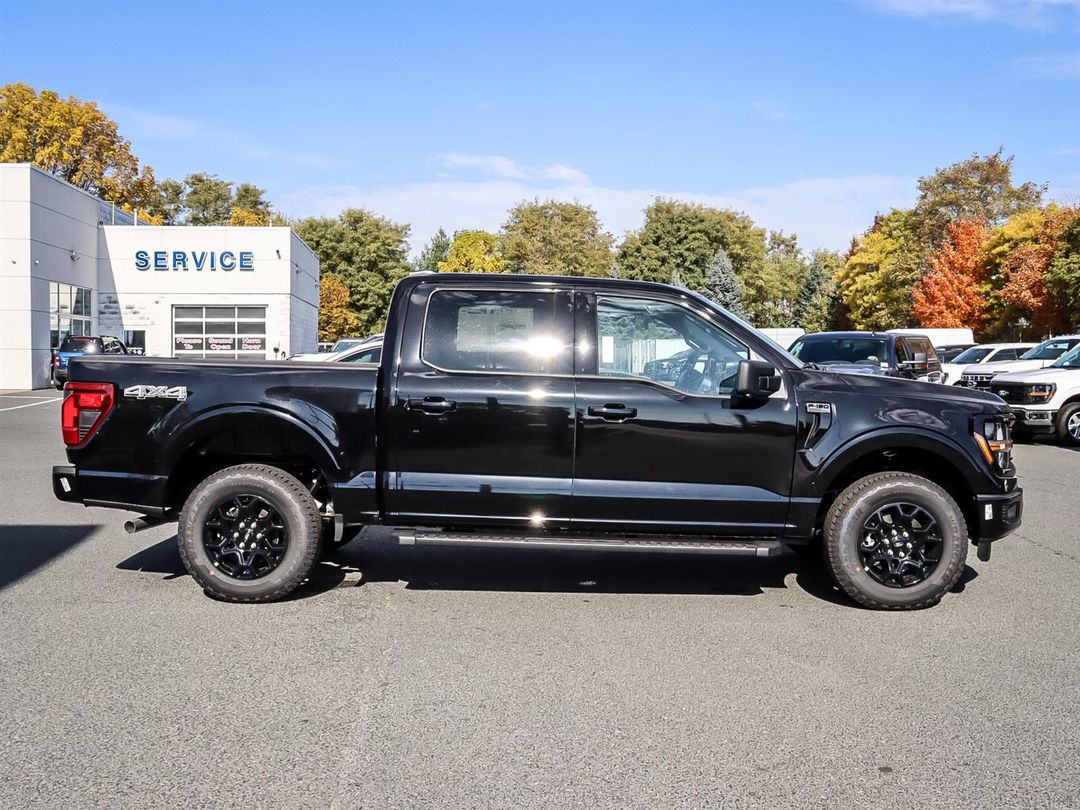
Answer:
(810, 116)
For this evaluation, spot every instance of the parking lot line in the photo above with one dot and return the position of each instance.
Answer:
(28, 405)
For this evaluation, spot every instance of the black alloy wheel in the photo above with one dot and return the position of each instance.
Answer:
(245, 537)
(900, 545)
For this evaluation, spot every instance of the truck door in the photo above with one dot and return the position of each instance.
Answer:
(662, 444)
(480, 422)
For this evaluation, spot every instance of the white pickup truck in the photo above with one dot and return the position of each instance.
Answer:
(1046, 400)
(984, 375)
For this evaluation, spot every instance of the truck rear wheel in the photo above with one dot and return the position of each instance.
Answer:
(1068, 426)
(895, 541)
(250, 533)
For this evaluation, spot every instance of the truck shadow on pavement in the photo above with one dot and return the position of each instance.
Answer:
(26, 548)
(377, 557)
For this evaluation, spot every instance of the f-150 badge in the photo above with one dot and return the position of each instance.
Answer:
(177, 392)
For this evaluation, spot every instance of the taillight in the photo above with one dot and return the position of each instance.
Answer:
(56, 360)
(85, 407)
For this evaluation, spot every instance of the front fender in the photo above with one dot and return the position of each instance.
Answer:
(939, 445)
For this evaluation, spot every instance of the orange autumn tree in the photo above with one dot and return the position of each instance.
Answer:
(1025, 269)
(953, 293)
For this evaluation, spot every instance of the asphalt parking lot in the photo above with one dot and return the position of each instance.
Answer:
(427, 678)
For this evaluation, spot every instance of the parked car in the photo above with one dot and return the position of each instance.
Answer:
(370, 352)
(883, 354)
(984, 353)
(76, 346)
(981, 375)
(1046, 400)
(516, 412)
(948, 352)
(343, 345)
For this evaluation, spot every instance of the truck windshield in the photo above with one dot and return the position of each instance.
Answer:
(842, 351)
(976, 354)
(1050, 350)
(87, 345)
(1070, 360)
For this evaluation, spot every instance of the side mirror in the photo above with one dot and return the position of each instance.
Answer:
(756, 379)
(918, 362)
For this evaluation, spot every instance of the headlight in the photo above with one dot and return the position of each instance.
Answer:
(1043, 392)
(992, 436)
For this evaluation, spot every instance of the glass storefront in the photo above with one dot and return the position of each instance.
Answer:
(69, 312)
(219, 332)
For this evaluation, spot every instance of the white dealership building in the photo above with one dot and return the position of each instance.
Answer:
(72, 264)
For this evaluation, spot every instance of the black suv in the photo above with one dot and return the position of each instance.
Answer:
(882, 354)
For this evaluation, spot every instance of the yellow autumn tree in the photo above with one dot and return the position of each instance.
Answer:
(243, 217)
(73, 140)
(336, 316)
(474, 252)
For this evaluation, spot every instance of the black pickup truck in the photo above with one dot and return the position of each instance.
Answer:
(527, 412)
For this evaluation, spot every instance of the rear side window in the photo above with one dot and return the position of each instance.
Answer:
(88, 345)
(496, 331)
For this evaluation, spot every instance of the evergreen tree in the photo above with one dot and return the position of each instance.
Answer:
(436, 250)
(816, 306)
(677, 280)
(722, 285)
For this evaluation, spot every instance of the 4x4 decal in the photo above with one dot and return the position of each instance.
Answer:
(177, 392)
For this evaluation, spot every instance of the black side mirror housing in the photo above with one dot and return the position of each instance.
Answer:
(756, 379)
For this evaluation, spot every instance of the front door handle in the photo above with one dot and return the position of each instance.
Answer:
(612, 412)
(433, 405)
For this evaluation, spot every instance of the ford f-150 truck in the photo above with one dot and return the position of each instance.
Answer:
(530, 412)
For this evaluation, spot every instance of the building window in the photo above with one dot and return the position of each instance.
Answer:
(69, 312)
(219, 332)
(135, 340)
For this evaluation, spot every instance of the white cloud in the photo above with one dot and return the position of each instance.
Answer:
(566, 174)
(497, 165)
(824, 212)
(1020, 13)
(135, 122)
(1060, 66)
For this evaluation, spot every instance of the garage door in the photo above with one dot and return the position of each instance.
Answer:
(219, 332)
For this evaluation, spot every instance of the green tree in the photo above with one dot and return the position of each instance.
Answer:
(685, 237)
(1063, 277)
(474, 252)
(167, 202)
(73, 140)
(368, 252)
(336, 316)
(979, 188)
(816, 305)
(555, 239)
(878, 279)
(207, 199)
(722, 285)
(435, 251)
(771, 290)
(249, 199)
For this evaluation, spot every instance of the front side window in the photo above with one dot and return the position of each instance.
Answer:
(665, 343)
(976, 354)
(496, 331)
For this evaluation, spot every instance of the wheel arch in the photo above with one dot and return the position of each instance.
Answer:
(234, 435)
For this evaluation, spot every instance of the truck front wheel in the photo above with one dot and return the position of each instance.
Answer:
(1068, 426)
(895, 541)
(250, 533)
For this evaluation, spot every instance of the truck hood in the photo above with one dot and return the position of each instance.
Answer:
(1006, 366)
(882, 386)
(1041, 375)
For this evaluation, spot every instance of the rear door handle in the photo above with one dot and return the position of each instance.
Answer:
(612, 412)
(433, 405)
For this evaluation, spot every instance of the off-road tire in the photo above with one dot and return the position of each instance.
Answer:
(293, 502)
(843, 530)
(1070, 411)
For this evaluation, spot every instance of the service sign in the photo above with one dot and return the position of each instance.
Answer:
(199, 261)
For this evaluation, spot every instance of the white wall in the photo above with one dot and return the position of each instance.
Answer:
(48, 233)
